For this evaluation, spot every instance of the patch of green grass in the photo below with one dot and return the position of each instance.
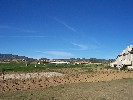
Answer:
(114, 68)
(19, 67)
(8, 67)
(95, 65)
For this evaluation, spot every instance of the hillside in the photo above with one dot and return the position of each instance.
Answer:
(11, 56)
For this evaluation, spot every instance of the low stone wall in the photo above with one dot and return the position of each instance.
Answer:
(43, 82)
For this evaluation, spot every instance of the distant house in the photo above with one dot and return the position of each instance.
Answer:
(81, 62)
(43, 61)
(125, 59)
(60, 62)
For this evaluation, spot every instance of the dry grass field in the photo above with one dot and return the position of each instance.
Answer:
(112, 90)
(83, 83)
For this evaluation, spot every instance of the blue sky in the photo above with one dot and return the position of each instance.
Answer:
(66, 28)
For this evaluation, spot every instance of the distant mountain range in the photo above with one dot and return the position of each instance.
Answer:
(10, 56)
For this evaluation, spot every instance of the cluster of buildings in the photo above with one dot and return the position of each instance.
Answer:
(124, 59)
(7, 58)
(66, 61)
(73, 61)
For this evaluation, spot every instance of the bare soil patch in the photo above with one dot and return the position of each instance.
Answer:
(68, 84)
(111, 90)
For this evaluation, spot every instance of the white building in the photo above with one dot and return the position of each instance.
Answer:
(125, 59)
(60, 62)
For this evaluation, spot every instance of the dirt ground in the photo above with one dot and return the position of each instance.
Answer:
(112, 90)
(75, 84)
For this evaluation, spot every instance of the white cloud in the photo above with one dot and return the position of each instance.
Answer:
(81, 46)
(8, 27)
(57, 53)
(93, 46)
(94, 41)
(66, 25)
(17, 29)
(22, 36)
